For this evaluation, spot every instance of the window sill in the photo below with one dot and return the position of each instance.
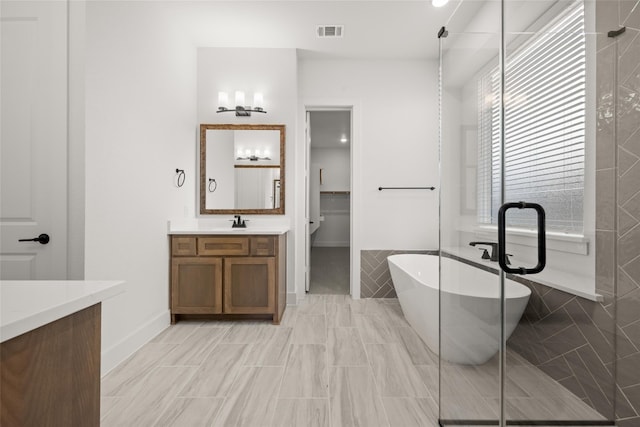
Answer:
(562, 242)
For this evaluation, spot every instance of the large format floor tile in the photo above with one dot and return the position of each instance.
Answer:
(332, 362)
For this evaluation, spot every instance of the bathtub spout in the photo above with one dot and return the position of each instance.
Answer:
(494, 249)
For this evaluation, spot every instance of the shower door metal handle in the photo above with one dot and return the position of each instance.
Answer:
(502, 230)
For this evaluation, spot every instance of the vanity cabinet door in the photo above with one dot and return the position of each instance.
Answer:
(196, 285)
(249, 285)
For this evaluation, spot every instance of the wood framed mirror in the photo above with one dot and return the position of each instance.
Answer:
(239, 168)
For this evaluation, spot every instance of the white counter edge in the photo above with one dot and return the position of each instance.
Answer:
(230, 231)
(15, 327)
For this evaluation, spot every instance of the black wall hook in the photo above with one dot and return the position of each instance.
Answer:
(181, 177)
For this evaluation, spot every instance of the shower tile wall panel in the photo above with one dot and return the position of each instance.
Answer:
(618, 173)
(571, 339)
(375, 278)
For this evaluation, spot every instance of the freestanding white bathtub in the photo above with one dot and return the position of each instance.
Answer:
(470, 304)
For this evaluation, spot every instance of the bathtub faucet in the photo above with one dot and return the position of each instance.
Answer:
(494, 250)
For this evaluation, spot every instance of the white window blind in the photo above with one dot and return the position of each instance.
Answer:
(544, 137)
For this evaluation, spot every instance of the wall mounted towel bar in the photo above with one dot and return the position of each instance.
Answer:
(406, 188)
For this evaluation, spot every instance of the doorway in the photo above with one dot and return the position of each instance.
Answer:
(329, 202)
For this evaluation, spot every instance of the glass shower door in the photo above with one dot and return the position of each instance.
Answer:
(470, 303)
(527, 330)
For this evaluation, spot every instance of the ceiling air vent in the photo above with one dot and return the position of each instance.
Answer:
(330, 31)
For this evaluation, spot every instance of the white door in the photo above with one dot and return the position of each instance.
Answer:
(314, 198)
(307, 258)
(33, 139)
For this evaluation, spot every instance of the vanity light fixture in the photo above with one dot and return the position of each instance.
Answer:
(439, 3)
(343, 139)
(240, 109)
(253, 156)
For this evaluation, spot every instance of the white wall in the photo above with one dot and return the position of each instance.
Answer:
(399, 143)
(140, 126)
(334, 209)
(397, 122)
(274, 73)
(336, 168)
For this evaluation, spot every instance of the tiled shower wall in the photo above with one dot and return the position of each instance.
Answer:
(618, 192)
(571, 339)
(375, 279)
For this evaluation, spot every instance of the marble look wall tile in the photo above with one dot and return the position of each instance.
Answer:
(605, 261)
(605, 199)
(626, 160)
(628, 307)
(623, 406)
(628, 117)
(629, 246)
(626, 282)
(375, 278)
(625, 8)
(605, 108)
(626, 222)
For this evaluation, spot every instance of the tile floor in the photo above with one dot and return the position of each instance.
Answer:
(330, 270)
(332, 362)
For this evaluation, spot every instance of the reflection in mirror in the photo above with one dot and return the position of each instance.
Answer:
(241, 169)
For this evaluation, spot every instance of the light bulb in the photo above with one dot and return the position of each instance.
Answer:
(257, 153)
(239, 153)
(239, 98)
(266, 153)
(258, 101)
(248, 153)
(439, 3)
(223, 100)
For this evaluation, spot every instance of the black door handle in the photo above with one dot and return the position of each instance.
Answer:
(502, 239)
(43, 239)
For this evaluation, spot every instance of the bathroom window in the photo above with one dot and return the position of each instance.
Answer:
(544, 128)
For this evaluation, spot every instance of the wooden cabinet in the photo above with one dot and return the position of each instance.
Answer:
(222, 276)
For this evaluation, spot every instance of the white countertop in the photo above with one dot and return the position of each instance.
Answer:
(254, 226)
(28, 304)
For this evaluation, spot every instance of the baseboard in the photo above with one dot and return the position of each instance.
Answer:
(332, 244)
(116, 354)
(292, 298)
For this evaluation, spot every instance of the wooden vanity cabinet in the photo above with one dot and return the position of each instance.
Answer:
(222, 276)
